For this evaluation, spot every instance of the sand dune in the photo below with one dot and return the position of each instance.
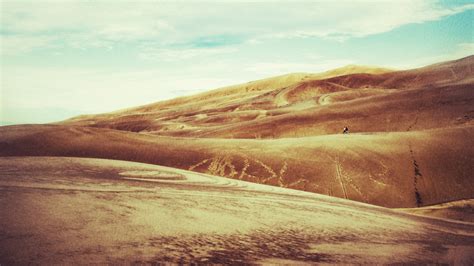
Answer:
(394, 170)
(411, 141)
(462, 210)
(365, 99)
(69, 210)
(198, 113)
(228, 176)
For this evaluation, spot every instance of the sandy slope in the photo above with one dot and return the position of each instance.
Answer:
(411, 144)
(198, 113)
(365, 99)
(461, 210)
(69, 210)
(394, 170)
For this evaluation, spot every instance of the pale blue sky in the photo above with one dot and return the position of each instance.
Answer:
(65, 58)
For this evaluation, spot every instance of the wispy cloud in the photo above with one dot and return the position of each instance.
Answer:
(170, 55)
(17, 44)
(215, 41)
(364, 18)
(208, 25)
(78, 24)
(78, 16)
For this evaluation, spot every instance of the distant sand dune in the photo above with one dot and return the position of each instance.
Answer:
(363, 98)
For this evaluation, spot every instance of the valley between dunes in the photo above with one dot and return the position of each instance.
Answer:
(254, 173)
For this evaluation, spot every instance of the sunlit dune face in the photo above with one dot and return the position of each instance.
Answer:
(296, 105)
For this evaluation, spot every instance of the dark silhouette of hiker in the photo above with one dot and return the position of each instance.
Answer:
(345, 131)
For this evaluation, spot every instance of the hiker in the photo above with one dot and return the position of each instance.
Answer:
(346, 130)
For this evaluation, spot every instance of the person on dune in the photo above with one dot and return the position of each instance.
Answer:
(345, 130)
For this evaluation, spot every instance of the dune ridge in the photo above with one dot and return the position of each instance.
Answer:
(364, 98)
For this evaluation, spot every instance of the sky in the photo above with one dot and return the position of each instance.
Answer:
(64, 58)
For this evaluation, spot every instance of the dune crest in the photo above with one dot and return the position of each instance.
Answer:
(368, 99)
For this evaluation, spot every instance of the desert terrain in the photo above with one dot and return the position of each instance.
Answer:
(254, 173)
(400, 169)
(69, 210)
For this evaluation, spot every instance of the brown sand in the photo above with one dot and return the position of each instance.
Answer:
(70, 210)
(411, 145)
(386, 169)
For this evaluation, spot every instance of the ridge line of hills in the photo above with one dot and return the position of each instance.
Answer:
(251, 110)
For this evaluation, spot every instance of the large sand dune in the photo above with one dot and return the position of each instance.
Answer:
(365, 99)
(394, 170)
(244, 161)
(69, 210)
(413, 145)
